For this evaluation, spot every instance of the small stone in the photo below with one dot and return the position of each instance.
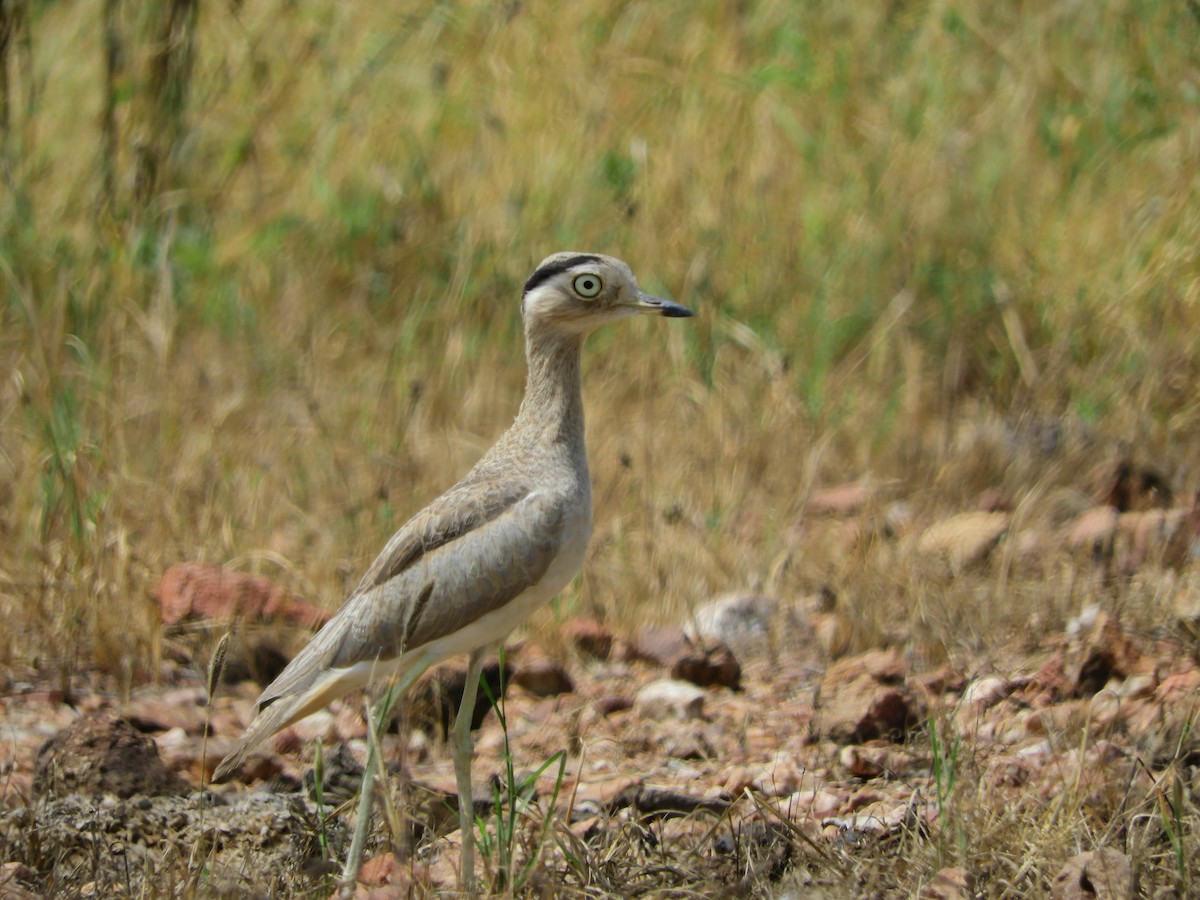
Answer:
(1104, 874)
(388, 876)
(603, 796)
(590, 637)
(826, 803)
(861, 762)
(661, 646)
(661, 801)
(986, 692)
(691, 743)
(1094, 530)
(841, 500)
(17, 882)
(1177, 687)
(1050, 680)
(319, 726)
(964, 539)
(741, 621)
(612, 703)
(182, 709)
(667, 699)
(542, 676)
(873, 761)
(940, 681)
(1107, 653)
(863, 698)
(709, 666)
(834, 633)
(586, 830)
(950, 884)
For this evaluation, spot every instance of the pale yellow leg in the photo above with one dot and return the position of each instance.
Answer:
(463, 750)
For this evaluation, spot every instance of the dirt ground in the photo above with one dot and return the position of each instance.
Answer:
(757, 749)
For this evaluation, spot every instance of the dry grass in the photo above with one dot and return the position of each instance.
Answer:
(273, 308)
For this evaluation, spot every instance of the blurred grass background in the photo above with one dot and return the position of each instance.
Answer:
(261, 264)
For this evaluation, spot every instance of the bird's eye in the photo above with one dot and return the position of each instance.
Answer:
(587, 286)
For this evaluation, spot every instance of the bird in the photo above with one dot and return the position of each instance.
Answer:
(463, 572)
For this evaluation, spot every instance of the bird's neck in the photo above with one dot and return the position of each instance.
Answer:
(552, 411)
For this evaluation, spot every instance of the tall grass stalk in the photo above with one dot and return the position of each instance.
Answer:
(513, 798)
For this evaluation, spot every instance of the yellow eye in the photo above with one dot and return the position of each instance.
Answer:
(588, 285)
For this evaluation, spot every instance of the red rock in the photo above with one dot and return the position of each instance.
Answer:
(864, 711)
(737, 779)
(191, 591)
(940, 681)
(883, 666)
(1007, 771)
(586, 830)
(783, 775)
(862, 798)
(661, 646)
(287, 741)
(1050, 679)
(1178, 687)
(387, 868)
(824, 803)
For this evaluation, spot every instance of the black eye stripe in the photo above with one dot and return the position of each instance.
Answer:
(546, 272)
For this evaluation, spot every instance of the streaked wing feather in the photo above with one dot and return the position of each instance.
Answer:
(450, 547)
(475, 574)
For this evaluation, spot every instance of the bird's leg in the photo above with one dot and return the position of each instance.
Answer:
(375, 724)
(463, 749)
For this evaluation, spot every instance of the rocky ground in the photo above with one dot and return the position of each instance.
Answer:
(756, 749)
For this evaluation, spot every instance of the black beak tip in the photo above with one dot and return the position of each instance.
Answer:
(675, 311)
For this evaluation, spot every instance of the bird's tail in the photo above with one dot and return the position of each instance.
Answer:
(283, 711)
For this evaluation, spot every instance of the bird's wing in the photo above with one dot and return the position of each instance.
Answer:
(466, 554)
(474, 562)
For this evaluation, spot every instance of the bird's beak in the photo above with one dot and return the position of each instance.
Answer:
(646, 303)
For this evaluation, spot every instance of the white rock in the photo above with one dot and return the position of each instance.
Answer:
(987, 691)
(735, 619)
(670, 699)
(320, 726)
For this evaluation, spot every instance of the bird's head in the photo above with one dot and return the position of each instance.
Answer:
(576, 292)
